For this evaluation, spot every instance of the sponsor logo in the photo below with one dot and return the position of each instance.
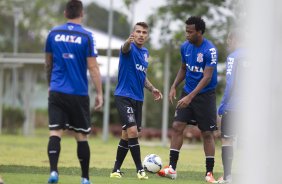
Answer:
(94, 45)
(141, 68)
(68, 56)
(146, 57)
(212, 126)
(213, 55)
(68, 38)
(230, 62)
(195, 68)
(200, 57)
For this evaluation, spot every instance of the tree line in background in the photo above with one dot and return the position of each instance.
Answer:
(37, 17)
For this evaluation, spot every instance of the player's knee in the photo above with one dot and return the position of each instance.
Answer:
(81, 137)
(178, 127)
(208, 136)
(132, 132)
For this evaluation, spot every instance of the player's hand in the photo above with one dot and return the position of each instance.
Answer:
(172, 95)
(130, 38)
(98, 102)
(157, 94)
(184, 102)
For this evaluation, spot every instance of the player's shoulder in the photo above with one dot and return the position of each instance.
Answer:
(238, 54)
(87, 31)
(185, 44)
(208, 44)
(135, 47)
(145, 49)
(59, 27)
(208, 47)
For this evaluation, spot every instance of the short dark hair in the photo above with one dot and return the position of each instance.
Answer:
(200, 24)
(73, 9)
(142, 24)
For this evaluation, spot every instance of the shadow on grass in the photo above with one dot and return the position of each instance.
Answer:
(98, 172)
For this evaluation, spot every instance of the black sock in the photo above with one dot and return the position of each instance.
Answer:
(121, 154)
(209, 164)
(227, 158)
(173, 158)
(134, 147)
(53, 151)
(83, 154)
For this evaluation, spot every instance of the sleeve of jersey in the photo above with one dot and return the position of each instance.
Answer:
(182, 53)
(230, 77)
(48, 47)
(92, 49)
(211, 57)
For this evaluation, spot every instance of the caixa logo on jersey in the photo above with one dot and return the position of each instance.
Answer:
(68, 38)
(141, 68)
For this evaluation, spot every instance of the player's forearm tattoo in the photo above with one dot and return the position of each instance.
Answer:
(126, 47)
(148, 85)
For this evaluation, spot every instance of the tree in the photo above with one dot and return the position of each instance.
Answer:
(37, 17)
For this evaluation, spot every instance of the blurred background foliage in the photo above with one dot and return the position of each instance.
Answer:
(37, 17)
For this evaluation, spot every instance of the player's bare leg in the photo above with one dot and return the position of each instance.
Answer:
(175, 146)
(209, 149)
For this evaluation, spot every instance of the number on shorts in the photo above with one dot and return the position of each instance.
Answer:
(129, 110)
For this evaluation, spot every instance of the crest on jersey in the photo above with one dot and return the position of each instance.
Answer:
(146, 57)
(131, 118)
(200, 57)
(70, 27)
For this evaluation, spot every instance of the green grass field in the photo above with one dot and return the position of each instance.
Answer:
(24, 160)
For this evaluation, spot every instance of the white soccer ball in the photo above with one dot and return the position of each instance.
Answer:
(152, 163)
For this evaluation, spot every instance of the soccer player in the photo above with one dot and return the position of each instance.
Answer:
(232, 99)
(70, 51)
(129, 95)
(197, 103)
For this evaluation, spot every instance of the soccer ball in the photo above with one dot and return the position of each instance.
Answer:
(152, 163)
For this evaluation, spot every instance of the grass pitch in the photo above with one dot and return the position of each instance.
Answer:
(24, 160)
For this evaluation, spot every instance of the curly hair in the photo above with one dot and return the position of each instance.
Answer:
(199, 23)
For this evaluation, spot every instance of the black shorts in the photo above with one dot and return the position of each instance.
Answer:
(228, 122)
(69, 112)
(201, 111)
(130, 112)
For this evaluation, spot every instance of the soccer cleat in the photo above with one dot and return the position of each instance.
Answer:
(54, 177)
(209, 178)
(227, 180)
(168, 172)
(142, 175)
(85, 181)
(117, 174)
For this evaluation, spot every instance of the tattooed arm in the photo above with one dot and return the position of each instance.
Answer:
(149, 85)
(156, 93)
